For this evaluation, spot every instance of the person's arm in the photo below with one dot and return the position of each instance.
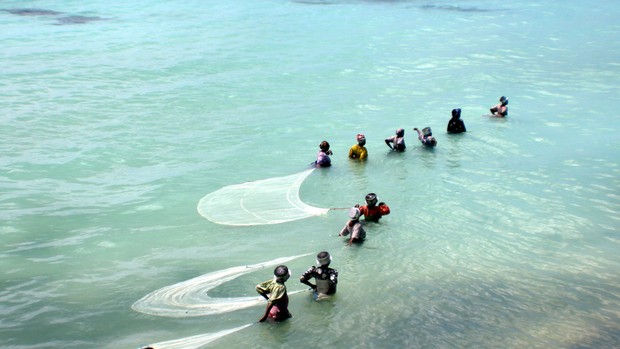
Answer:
(350, 242)
(384, 208)
(388, 141)
(263, 290)
(333, 277)
(308, 283)
(363, 154)
(420, 135)
(304, 279)
(345, 230)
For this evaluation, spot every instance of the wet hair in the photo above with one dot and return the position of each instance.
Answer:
(400, 132)
(503, 100)
(324, 146)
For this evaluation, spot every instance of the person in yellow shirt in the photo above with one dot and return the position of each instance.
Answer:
(274, 291)
(358, 151)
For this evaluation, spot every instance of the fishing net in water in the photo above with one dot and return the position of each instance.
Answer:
(190, 298)
(268, 201)
(194, 342)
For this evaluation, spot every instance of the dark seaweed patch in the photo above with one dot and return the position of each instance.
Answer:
(455, 8)
(74, 19)
(32, 12)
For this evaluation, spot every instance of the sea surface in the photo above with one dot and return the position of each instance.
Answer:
(119, 116)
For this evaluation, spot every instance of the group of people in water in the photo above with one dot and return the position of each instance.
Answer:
(397, 142)
(326, 278)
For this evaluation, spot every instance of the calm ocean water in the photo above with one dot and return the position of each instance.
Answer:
(119, 117)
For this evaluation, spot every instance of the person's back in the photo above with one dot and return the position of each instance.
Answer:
(456, 124)
(274, 291)
(398, 141)
(358, 151)
(322, 158)
(325, 277)
(353, 227)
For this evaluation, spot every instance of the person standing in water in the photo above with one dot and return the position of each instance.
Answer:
(371, 211)
(456, 124)
(322, 158)
(353, 227)
(358, 151)
(325, 277)
(501, 109)
(426, 136)
(398, 141)
(277, 301)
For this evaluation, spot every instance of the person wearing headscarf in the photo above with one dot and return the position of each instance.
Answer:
(456, 124)
(358, 151)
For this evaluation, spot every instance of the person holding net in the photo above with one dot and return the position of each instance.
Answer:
(353, 227)
(372, 211)
(274, 291)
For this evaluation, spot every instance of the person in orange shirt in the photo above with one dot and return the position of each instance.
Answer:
(372, 211)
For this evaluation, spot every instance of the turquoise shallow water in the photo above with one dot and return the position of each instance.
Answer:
(114, 129)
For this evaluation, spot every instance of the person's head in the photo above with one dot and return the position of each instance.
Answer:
(503, 100)
(456, 113)
(281, 273)
(354, 213)
(432, 141)
(324, 146)
(323, 259)
(400, 132)
(371, 199)
(361, 139)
